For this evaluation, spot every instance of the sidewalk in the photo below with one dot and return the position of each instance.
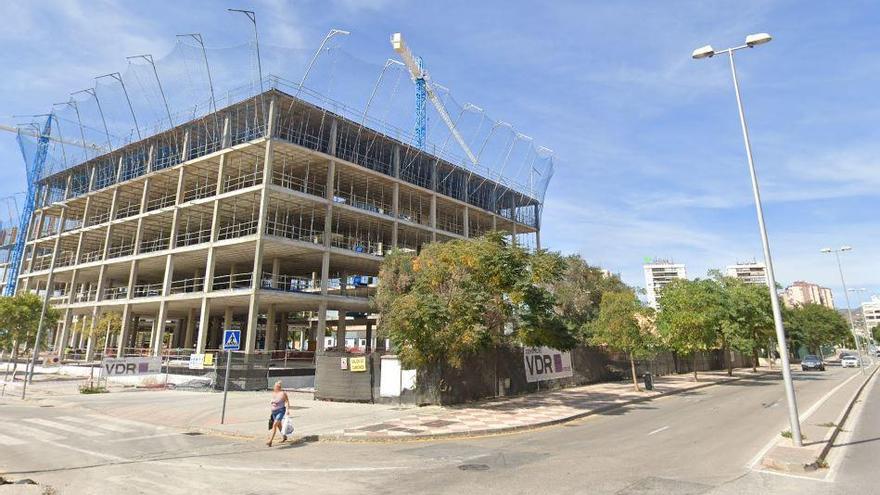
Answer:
(247, 412)
(819, 426)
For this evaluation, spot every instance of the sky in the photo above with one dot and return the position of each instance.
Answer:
(650, 156)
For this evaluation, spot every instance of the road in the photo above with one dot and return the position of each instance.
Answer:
(696, 442)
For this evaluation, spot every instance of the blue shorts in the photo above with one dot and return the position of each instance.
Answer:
(278, 414)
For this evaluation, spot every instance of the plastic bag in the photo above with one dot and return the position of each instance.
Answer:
(287, 426)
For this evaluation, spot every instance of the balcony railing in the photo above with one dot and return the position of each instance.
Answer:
(157, 244)
(296, 183)
(98, 219)
(243, 181)
(294, 232)
(148, 290)
(358, 245)
(87, 296)
(120, 250)
(194, 237)
(41, 262)
(64, 258)
(128, 210)
(290, 283)
(115, 292)
(239, 229)
(161, 202)
(90, 256)
(199, 192)
(187, 285)
(363, 203)
(233, 281)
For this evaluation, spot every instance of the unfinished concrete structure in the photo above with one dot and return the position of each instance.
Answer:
(266, 215)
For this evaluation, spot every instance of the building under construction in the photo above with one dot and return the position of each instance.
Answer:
(267, 215)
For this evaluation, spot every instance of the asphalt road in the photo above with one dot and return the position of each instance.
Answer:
(696, 442)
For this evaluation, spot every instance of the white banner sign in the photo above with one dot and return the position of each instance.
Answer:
(196, 361)
(544, 363)
(132, 366)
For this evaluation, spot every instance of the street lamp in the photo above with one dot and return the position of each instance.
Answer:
(867, 334)
(852, 325)
(709, 52)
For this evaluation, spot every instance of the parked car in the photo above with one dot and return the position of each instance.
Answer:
(812, 362)
(849, 361)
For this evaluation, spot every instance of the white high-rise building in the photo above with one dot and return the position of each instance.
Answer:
(750, 273)
(658, 274)
(871, 310)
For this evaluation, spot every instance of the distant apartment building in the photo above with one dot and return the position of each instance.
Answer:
(658, 274)
(801, 293)
(750, 273)
(871, 312)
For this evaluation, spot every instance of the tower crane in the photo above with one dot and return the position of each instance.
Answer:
(34, 172)
(425, 91)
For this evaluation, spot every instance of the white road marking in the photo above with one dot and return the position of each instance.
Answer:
(658, 430)
(120, 421)
(4, 440)
(772, 443)
(144, 437)
(34, 433)
(96, 424)
(79, 430)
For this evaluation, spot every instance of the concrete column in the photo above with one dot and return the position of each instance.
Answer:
(61, 341)
(433, 214)
(204, 324)
(513, 218)
(466, 222)
(125, 332)
(190, 328)
(176, 333)
(158, 332)
(369, 337)
(395, 198)
(322, 326)
(340, 330)
(282, 330)
(276, 270)
(90, 343)
(271, 330)
(227, 318)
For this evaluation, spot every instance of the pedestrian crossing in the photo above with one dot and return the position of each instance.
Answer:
(60, 428)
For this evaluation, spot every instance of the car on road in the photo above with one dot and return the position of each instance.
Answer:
(812, 362)
(849, 361)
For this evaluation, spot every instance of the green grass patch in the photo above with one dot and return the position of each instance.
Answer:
(92, 389)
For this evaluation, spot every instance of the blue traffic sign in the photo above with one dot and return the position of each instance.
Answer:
(231, 340)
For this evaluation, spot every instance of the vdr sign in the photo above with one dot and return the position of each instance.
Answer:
(132, 366)
(544, 363)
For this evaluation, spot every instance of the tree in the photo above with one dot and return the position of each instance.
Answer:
(747, 319)
(19, 319)
(875, 332)
(579, 293)
(814, 325)
(690, 316)
(109, 324)
(620, 328)
(458, 297)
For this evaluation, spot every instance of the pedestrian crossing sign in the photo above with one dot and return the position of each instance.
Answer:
(231, 340)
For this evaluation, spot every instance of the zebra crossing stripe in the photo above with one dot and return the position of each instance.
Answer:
(119, 421)
(64, 427)
(101, 424)
(34, 433)
(4, 440)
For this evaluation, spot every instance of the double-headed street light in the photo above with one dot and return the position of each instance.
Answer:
(707, 51)
(852, 324)
(861, 292)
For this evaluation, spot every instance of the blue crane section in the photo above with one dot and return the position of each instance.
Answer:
(34, 172)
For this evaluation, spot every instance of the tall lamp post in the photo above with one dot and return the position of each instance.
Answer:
(852, 323)
(867, 335)
(707, 51)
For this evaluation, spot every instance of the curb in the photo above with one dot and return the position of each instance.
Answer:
(803, 459)
(342, 437)
(829, 440)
